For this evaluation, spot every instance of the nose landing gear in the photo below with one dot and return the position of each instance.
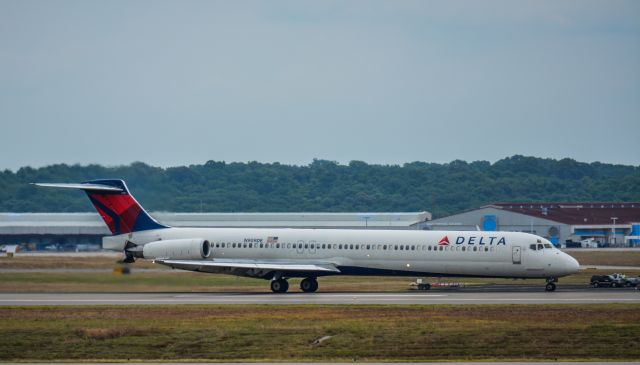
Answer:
(551, 284)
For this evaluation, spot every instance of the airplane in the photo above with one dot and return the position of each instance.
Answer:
(277, 254)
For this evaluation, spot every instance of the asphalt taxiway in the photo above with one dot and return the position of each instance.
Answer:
(529, 295)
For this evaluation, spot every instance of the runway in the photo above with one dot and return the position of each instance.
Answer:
(537, 296)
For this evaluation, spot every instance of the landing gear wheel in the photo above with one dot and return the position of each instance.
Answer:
(550, 287)
(309, 285)
(279, 286)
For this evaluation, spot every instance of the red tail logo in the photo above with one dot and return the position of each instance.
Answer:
(444, 241)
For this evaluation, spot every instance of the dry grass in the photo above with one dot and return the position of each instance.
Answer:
(286, 333)
(107, 333)
(610, 258)
(70, 262)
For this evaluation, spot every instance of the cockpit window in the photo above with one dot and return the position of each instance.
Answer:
(539, 240)
(540, 246)
(546, 245)
(533, 246)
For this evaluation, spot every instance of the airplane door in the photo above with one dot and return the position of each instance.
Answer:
(516, 255)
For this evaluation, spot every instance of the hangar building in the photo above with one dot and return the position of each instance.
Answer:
(608, 223)
(69, 231)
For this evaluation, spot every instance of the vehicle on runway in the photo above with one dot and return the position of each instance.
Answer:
(277, 254)
(598, 281)
(614, 280)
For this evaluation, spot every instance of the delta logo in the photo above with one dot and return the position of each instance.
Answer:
(444, 241)
(474, 240)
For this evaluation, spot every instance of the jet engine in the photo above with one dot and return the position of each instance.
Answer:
(179, 249)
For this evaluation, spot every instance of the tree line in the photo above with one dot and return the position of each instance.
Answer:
(327, 186)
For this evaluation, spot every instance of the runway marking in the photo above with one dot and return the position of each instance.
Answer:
(318, 296)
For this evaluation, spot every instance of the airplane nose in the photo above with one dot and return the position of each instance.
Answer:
(572, 264)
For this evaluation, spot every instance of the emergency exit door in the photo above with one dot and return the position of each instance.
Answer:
(516, 253)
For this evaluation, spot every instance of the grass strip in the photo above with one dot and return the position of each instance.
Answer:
(174, 281)
(287, 333)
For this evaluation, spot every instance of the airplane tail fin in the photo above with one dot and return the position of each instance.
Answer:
(119, 210)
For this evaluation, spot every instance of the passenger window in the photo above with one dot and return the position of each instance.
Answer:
(357, 247)
(464, 248)
(475, 248)
(368, 247)
(441, 248)
(486, 249)
(323, 246)
(533, 247)
(429, 248)
(401, 247)
(277, 245)
(351, 247)
(384, 247)
(413, 248)
(288, 245)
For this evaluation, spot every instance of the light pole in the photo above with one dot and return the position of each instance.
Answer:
(613, 230)
(366, 222)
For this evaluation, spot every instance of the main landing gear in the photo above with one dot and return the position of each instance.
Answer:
(308, 285)
(551, 284)
(279, 286)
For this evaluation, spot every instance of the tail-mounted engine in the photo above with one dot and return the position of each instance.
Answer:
(179, 249)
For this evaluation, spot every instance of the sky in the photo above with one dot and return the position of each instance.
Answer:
(182, 82)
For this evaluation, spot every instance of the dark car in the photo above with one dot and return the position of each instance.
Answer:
(604, 280)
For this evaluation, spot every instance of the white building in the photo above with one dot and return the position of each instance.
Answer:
(65, 230)
(608, 223)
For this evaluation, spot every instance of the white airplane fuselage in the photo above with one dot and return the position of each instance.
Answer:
(375, 252)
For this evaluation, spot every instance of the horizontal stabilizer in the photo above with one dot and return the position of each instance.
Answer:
(91, 187)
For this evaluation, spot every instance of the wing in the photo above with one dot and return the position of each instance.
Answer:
(253, 268)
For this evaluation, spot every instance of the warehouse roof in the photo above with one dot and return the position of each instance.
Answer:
(91, 223)
(577, 213)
